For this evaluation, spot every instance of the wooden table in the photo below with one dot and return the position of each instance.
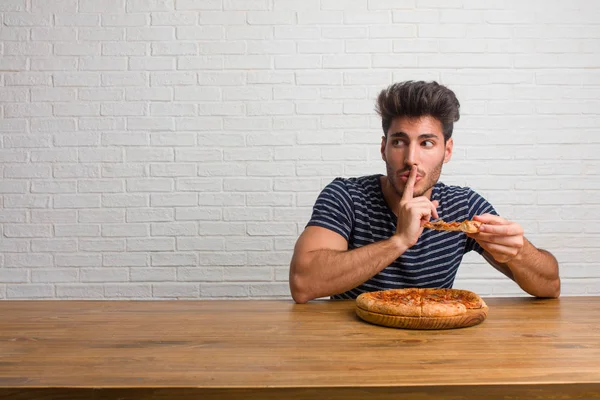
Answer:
(526, 348)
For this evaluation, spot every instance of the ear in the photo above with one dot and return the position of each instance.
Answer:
(383, 142)
(448, 150)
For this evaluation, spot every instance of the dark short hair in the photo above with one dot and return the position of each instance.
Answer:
(418, 99)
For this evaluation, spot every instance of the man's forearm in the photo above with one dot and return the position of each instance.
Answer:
(327, 272)
(536, 271)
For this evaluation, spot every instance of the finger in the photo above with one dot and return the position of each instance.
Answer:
(424, 202)
(513, 241)
(503, 230)
(434, 206)
(490, 219)
(409, 188)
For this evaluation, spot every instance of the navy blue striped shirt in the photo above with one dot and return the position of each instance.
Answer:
(356, 209)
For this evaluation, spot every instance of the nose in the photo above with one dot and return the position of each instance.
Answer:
(411, 157)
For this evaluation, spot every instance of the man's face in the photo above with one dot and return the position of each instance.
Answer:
(417, 141)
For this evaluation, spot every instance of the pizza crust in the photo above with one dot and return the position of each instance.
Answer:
(467, 226)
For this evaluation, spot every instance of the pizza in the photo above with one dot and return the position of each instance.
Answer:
(420, 302)
(465, 226)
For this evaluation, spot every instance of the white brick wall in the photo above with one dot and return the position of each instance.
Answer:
(174, 148)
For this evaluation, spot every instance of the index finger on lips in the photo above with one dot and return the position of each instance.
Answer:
(409, 188)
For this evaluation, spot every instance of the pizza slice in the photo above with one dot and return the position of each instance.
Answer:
(467, 226)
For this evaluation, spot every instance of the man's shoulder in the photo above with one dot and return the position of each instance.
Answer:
(441, 190)
(357, 184)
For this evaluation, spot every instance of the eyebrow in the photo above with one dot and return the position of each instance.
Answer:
(421, 136)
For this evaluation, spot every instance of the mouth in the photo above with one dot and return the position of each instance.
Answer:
(405, 175)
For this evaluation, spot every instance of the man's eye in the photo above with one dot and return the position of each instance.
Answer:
(428, 143)
(397, 142)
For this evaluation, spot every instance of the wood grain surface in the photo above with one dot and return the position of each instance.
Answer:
(471, 318)
(526, 348)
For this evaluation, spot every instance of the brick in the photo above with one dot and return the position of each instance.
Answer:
(154, 33)
(125, 260)
(13, 186)
(270, 139)
(54, 245)
(272, 199)
(141, 154)
(101, 245)
(173, 200)
(27, 79)
(221, 199)
(244, 62)
(172, 170)
(125, 230)
(202, 244)
(124, 49)
(101, 216)
(199, 5)
(150, 215)
(14, 276)
(267, 290)
(76, 201)
(269, 258)
(27, 19)
(151, 244)
(172, 259)
(125, 200)
(172, 139)
(150, 5)
(200, 33)
(27, 171)
(197, 214)
(124, 20)
(270, 229)
(222, 18)
(176, 290)
(79, 230)
(199, 185)
(217, 290)
(327, 17)
(83, 79)
(270, 169)
(123, 170)
(221, 78)
(201, 63)
(200, 274)
(103, 63)
(29, 291)
(32, 260)
(152, 63)
(247, 214)
(247, 274)
(77, 49)
(26, 49)
(174, 48)
(102, 275)
(53, 216)
(153, 274)
(178, 19)
(128, 290)
(12, 216)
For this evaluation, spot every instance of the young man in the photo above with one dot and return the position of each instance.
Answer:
(367, 234)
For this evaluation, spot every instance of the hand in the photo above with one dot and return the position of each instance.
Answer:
(502, 239)
(413, 212)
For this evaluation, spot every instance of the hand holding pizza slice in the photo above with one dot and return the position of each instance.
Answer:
(501, 238)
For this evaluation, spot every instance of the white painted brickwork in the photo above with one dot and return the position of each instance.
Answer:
(174, 148)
